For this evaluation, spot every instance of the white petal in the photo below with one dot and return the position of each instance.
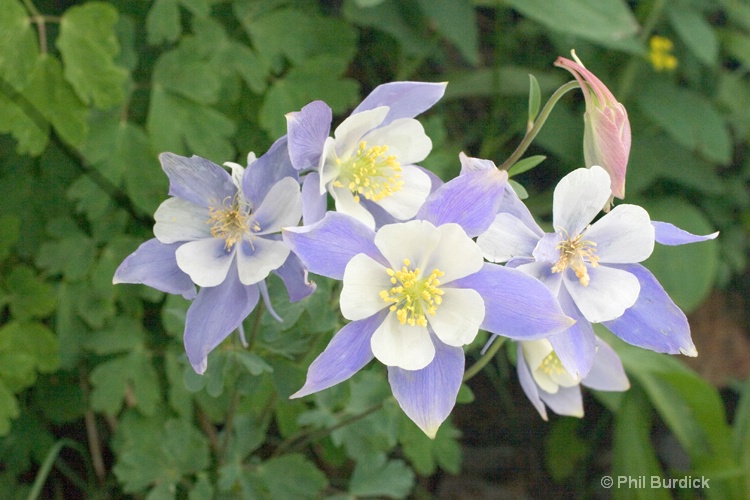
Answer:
(413, 240)
(179, 220)
(405, 139)
(456, 255)
(506, 239)
(610, 291)
(350, 132)
(405, 346)
(257, 259)
(329, 168)
(405, 204)
(205, 261)
(456, 321)
(578, 197)
(623, 236)
(282, 207)
(363, 281)
(345, 204)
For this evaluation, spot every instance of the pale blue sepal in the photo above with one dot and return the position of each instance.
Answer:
(326, 247)
(607, 372)
(214, 314)
(576, 346)
(654, 322)
(669, 234)
(528, 385)
(566, 401)
(405, 99)
(154, 264)
(516, 305)
(428, 396)
(314, 204)
(197, 180)
(263, 173)
(308, 129)
(347, 353)
(294, 276)
(470, 200)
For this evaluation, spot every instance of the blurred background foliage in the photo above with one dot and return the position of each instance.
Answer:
(96, 397)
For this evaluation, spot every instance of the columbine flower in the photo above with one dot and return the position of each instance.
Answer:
(593, 268)
(606, 133)
(545, 380)
(368, 166)
(220, 232)
(417, 291)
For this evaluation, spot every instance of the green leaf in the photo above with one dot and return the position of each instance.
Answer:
(456, 21)
(30, 297)
(291, 476)
(505, 81)
(426, 454)
(55, 100)
(19, 48)
(25, 349)
(131, 376)
(181, 126)
(670, 263)
(181, 69)
(54, 256)
(634, 456)
(377, 476)
(123, 335)
(163, 22)
(606, 22)
(389, 17)
(535, 98)
(32, 134)
(689, 118)
(526, 164)
(8, 408)
(565, 450)
(519, 189)
(88, 45)
(695, 31)
(10, 231)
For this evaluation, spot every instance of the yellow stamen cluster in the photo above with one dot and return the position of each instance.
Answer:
(660, 54)
(370, 173)
(551, 365)
(413, 297)
(231, 222)
(573, 254)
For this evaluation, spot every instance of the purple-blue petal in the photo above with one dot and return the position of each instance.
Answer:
(345, 355)
(266, 171)
(314, 204)
(405, 99)
(470, 164)
(427, 396)
(214, 314)
(607, 373)
(197, 180)
(528, 384)
(513, 205)
(470, 200)
(516, 305)
(154, 264)
(308, 129)
(576, 346)
(263, 289)
(669, 234)
(654, 322)
(294, 276)
(326, 247)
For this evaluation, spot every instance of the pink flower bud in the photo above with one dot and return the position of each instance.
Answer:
(606, 135)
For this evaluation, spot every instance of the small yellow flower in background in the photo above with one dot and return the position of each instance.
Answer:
(660, 53)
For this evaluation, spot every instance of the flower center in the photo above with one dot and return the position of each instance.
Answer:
(413, 297)
(573, 254)
(551, 365)
(370, 173)
(231, 222)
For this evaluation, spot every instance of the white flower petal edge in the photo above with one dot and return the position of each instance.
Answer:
(408, 347)
(180, 220)
(256, 260)
(405, 138)
(405, 204)
(344, 200)
(412, 240)
(363, 281)
(351, 130)
(623, 236)
(507, 238)
(609, 293)
(205, 261)
(456, 255)
(578, 197)
(457, 320)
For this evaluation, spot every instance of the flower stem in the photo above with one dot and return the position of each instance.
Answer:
(486, 357)
(533, 131)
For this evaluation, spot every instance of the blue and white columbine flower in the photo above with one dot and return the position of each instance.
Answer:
(368, 164)
(221, 232)
(594, 269)
(546, 381)
(417, 291)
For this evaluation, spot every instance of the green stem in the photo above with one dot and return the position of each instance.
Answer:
(477, 367)
(538, 124)
(49, 461)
